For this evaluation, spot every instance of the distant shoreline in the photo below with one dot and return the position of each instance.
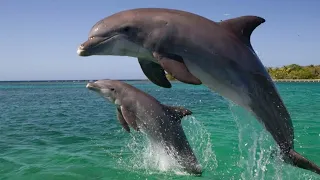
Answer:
(70, 80)
(296, 80)
(46, 81)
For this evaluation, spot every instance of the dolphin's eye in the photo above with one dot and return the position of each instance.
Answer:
(91, 37)
(112, 89)
(126, 29)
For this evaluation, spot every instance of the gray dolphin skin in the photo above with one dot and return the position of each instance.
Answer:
(196, 50)
(160, 122)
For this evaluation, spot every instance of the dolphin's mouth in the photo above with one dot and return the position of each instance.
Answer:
(92, 87)
(83, 51)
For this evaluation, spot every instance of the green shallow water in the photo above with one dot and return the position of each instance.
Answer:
(63, 131)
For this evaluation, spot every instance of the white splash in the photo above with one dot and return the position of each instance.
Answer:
(152, 158)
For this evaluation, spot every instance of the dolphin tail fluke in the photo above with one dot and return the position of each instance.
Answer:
(298, 160)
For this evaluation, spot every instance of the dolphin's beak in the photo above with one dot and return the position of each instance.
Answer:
(87, 48)
(81, 51)
(93, 87)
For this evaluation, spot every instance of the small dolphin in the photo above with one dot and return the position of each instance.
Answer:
(161, 123)
(196, 50)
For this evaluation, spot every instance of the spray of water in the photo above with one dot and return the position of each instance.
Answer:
(254, 148)
(152, 158)
(200, 141)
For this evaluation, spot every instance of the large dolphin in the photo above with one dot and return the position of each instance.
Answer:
(160, 122)
(196, 50)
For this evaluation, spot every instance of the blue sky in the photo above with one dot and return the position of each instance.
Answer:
(39, 38)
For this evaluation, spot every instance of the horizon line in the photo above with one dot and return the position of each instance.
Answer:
(59, 80)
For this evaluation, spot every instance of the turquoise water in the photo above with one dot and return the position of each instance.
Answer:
(64, 131)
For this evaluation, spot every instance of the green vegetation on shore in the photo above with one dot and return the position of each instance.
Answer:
(170, 77)
(292, 71)
(288, 72)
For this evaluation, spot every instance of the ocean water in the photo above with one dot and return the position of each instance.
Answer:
(63, 131)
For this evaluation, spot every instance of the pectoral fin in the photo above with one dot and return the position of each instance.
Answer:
(154, 73)
(130, 118)
(175, 66)
(122, 120)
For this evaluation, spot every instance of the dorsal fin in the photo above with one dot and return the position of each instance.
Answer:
(242, 27)
(178, 111)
